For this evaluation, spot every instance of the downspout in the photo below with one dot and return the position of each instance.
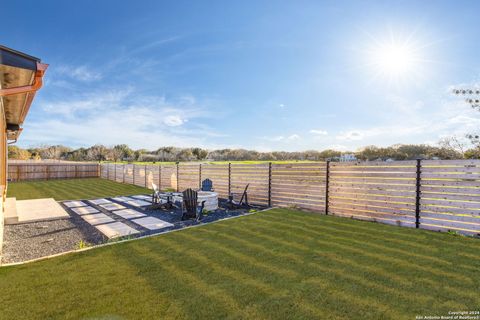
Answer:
(37, 83)
(30, 90)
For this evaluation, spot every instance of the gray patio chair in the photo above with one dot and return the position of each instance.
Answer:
(155, 194)
(207, 185)
(242, 203)
(190, 207)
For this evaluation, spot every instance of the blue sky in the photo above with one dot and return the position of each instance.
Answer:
(265, 75)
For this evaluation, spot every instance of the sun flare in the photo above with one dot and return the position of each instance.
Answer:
(396, 59)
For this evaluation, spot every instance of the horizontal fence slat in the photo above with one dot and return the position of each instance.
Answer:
(408, 163)
(376, 191)
(51, 170)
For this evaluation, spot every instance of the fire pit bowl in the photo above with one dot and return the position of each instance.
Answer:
(210, 198)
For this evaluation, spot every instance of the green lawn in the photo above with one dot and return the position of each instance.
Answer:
(278, 264)
(71, 189)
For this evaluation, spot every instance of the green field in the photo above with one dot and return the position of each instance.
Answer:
(71, 189)
(211, 162)
(278, 264)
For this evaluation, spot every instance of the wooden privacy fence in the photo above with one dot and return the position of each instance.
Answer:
(36, 171)
(431, 194)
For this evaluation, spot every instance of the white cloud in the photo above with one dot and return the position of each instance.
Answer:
(338, 147)
(290, 138)
(445, 117)
(80, 73)
(405, 106)
(273, 139)
(153, 44)
(118, 117)
(174, 120)
(319, 132)
(96, 102)
(350, 135)
(293, 137)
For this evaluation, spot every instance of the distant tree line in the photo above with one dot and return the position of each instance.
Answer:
(449, 148)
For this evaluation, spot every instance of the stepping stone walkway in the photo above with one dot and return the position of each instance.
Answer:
(128, 213)
(84, 210)
(116, 229)
(108, 225)
(143, 197)
(73, 204)
(138, 203)
(152, 223)
(112, 206)
(122, 199)
(100, 201)
(97, 218)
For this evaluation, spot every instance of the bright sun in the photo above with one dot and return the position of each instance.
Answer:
(396, 59)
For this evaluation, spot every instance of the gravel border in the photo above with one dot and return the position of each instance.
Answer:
(31, 241)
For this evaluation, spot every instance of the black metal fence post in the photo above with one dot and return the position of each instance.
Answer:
(327, 185)
(178, 176)
(146, 186)
(229, 178)
(200, 176)
(269, 184)
(418, 195)
(159, 177)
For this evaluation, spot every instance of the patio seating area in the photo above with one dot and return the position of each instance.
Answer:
(90, 222)
(129, 216)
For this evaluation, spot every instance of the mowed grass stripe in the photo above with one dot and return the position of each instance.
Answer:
(461, 246)
(176, 281)
(386, 244)
(334, 264)
(390, 268)
(387, 273)
(253, 267)
(102, 187)
(72, 189)
(265, 270)
(285, 285)
(378, 252)
(405, 295)
(366, 265)
(200, 257)
(188, 277)
(251, 284)
(420, 236)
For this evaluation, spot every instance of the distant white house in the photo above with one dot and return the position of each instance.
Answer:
(347, 157)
